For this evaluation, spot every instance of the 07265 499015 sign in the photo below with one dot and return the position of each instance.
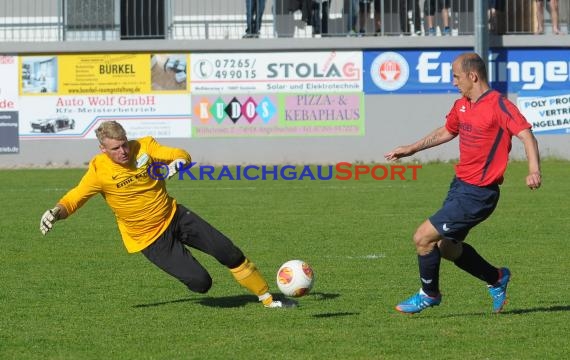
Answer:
(236, 74)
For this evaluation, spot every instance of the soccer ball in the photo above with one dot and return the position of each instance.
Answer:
(295, 278)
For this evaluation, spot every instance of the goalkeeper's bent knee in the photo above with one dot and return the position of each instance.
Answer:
(200, 286)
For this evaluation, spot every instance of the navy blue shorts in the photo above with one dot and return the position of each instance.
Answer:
(466, 205)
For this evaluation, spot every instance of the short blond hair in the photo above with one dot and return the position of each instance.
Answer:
(110, 130)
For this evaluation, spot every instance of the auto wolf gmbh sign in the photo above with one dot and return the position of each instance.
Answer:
(67, 96)
(330, 71)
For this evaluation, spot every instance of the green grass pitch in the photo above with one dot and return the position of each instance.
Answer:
(77, 294)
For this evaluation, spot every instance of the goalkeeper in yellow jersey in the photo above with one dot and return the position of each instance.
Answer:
(150, 221)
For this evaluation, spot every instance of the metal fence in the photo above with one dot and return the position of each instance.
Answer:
(98, 20)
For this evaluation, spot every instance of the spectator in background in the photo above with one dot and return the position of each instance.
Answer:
(320, 16)
(496, 7)
(364, 14)
(430, 10)
(358, 11)
(351, 12)
(254, 14)
(539, 7)
(410, 14)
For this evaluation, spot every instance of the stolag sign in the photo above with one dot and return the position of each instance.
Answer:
(327, 71)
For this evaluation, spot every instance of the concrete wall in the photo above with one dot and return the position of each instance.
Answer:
(391, 120)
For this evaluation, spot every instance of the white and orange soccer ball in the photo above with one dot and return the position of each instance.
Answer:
(295, 278)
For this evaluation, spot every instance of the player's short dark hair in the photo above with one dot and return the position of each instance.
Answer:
(472, 62)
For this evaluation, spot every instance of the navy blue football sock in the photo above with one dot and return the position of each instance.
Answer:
(429, 271)
(471, 262)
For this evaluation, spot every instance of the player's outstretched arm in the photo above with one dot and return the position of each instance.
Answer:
(534, 178)
(51, 216)
(437, 137)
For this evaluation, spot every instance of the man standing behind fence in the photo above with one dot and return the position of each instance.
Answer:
(410, 17)
(254, 15)
(539, 4)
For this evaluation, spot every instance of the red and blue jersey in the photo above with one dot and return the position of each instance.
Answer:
(485, 130)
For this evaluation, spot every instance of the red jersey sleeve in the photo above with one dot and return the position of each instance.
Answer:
(513, 121)
(452, 119)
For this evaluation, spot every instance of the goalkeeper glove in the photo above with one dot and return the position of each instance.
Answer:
(48, 219)
(174, 166)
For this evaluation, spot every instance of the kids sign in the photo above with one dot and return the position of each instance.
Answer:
(270, 73)
(303, 114)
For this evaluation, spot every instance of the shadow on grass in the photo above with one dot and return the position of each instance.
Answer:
(227, 301)
(242, 300)
(221, 302)
(163, 303)
(321, 296)
(233, 301)
(555, 308)
(334, 315)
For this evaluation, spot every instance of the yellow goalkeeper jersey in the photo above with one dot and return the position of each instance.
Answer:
(141, 204)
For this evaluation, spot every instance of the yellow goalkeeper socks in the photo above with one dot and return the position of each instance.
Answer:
(248, 276)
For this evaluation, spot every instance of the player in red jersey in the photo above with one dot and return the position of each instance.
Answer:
(485, 122)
